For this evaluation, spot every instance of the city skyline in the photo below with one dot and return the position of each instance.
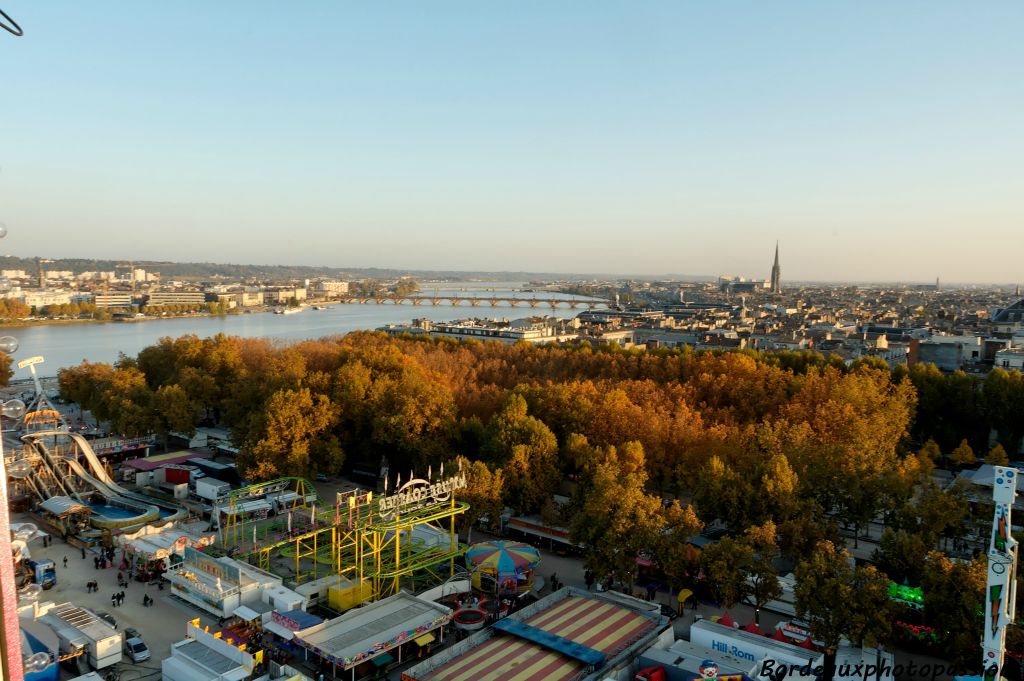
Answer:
(876, 143)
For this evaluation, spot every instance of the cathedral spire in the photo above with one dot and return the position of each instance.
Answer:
(776, 283)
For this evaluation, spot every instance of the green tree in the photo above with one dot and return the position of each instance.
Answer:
(83, 384)
(528, 452)
(870, 614)
(5, 369)
(824, 593)
(724, 564)
(938, 514)
(963, 455)
(808, 527)
(724, 494)
(1002, 399)
(617, 520)
(931, 450)
(953, 596)
(126, 402)
(997, 456)
(899, 555)
(762, 579)
(671, 550)
(280, 444)
(175, 410)
(483, 493)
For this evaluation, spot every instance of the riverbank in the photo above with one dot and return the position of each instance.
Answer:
(25, 323)
(66, 343)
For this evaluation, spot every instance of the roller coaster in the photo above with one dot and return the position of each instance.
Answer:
(377, 542)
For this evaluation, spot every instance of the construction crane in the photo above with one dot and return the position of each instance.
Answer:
(131, 273)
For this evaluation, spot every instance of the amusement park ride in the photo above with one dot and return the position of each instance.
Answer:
(377, 541)
(1001, 588)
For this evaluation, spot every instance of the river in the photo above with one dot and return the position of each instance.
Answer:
(65, 345)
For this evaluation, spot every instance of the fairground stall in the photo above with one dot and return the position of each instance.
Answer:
(368, 640)
(279, 633)
(150, 551)
(219, 585)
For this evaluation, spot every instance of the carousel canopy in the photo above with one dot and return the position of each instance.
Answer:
(505, 557)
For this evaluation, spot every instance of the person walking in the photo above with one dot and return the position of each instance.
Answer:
(113, 600)
(83, 552)
(65, 561)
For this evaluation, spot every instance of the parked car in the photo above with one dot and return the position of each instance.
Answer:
(136, 649)
(320, 477)
(107, 617)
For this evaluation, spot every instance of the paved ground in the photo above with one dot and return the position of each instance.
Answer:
(161, 624)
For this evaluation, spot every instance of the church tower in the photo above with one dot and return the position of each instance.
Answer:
(776, 283)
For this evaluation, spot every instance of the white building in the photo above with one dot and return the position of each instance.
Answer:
(1011, 358)
(177, 298)
(332, 287)
(38, 299)
(113, 299)
(222, 585)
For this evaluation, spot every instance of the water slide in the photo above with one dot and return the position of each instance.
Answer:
(143, 508)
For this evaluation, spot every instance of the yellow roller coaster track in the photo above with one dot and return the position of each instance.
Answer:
(358, 544)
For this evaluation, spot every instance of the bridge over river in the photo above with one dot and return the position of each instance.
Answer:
(475, 301)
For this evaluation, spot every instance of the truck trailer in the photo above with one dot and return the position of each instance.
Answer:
(80, 628)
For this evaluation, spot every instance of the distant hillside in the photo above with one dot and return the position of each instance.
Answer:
(207, 271)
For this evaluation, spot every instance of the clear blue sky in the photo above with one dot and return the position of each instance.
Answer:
(876, 140)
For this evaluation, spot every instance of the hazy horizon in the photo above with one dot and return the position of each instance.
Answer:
(876, 142)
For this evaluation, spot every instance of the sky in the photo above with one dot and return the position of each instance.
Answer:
(874, 140)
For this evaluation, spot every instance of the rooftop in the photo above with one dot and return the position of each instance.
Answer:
(596, 622)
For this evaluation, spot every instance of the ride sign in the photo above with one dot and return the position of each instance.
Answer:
(419, 493)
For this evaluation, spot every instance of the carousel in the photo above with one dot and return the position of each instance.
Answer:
(503, 568)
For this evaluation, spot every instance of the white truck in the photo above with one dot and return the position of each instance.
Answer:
(768, 654)
(212, 489)
(78, 628)
(754, 648)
